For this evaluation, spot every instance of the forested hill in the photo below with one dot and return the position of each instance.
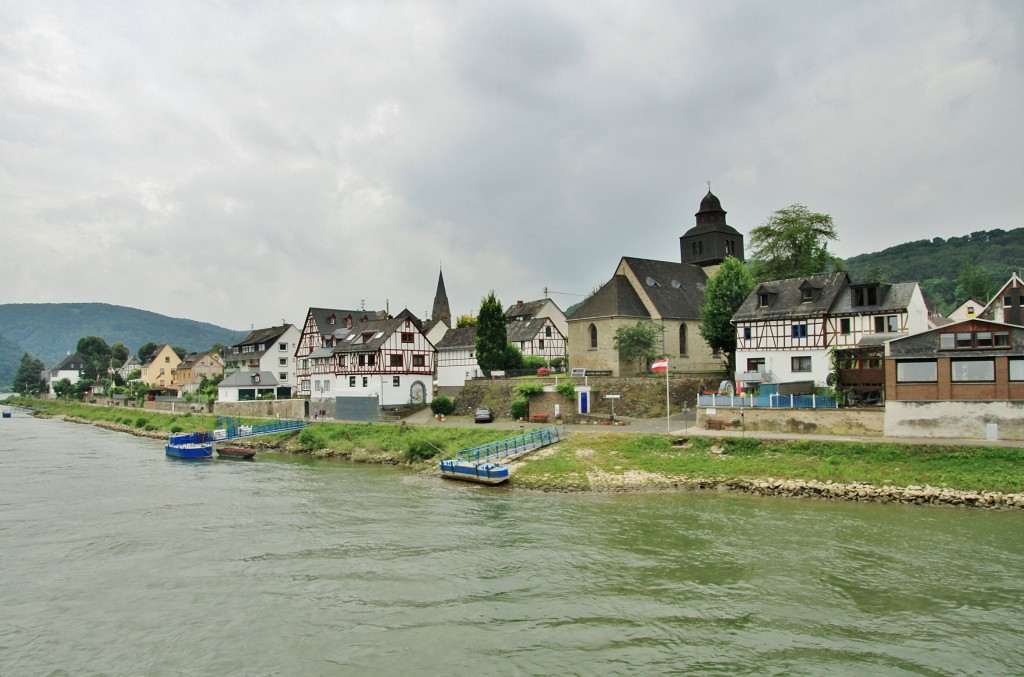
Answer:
(948, 270)
(50, 331)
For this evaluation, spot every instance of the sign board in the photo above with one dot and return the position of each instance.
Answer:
(612, 397)
(578, 371)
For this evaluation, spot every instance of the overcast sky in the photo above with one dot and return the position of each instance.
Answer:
(239, 162)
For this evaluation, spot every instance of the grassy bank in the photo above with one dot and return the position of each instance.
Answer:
(588, 459)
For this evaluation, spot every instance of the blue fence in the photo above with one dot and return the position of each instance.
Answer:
(233, 427)
(769, 401)
(513, 445)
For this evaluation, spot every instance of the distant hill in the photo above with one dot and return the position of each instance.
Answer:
(50, 331)
(935, 264)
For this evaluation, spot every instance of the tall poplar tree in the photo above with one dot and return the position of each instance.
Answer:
(724, 293)
(491, 335)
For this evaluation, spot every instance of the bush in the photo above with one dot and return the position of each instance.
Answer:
(520, 407)
(529, 388)
(567, 389)
(150, 427)
(176, 428)
(140, 422)
(556, 363)
(419, 449)
(442, 405)
(533, 362)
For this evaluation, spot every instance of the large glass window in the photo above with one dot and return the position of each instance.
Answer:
(593, 336)
(800, 363)
(917, 372)
(1017, 370)
(682, 339)
(798, 331)
(972, 370)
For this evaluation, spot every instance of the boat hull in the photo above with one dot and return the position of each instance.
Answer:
(483, 473)
(189, 450)
(236, 453)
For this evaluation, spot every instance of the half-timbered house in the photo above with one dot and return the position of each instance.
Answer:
(538, 337)
(1008, 303)
(322, 330)
(388, 359)
(531, 310)
(456, 357)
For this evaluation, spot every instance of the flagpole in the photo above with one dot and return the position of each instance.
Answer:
(668, 409)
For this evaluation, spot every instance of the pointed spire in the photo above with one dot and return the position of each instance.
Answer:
(441, 311)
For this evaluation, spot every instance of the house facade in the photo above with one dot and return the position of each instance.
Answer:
(388, 359)
(246, 386)
(787, 330)
(961, 380)
(70, 368)
(1008, 303)
(666, 293)
(456, 357)
(542, 308)
(158, 372)
(189, 374)
(271, 350)
(321, 331)
(538, 337)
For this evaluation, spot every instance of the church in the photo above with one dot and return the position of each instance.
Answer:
(667, 293)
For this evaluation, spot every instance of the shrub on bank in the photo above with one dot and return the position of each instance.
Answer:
(442, 405)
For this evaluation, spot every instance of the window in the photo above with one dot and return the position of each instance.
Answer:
(341, 360)
(844, 326)
(420, 360)
(305, 364)
(396, 360)
(746, 333)
(282, 346)
(799, 331)
(282, 361)
(167, 359)
(762, 300)
(351, 381)
(963, 339)
(892, 323)
(407, 337)
(946, 341)
(396, 381)
(366, 381)
(983, 339)
(371, 360)
(304, 385)
(540, 344)
(282, 376)
(1002, 339)
(800, 363)
(1017, 370)
(879, 324)
(362, 360)
(807, 294)
(755, 364)
(917, 372)
(593, 336)
(972, 370)
(547, 332)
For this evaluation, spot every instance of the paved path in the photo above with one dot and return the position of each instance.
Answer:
(684, 425)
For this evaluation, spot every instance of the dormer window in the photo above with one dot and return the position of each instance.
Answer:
(762, 300)
(331, 319)
(256, 377)
(807, 294)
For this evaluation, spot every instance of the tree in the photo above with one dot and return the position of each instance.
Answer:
(793, 242)
(28, 380)
(637, 342)
(95, 354)
(491, 335)
(119, 353)
(974, 284)
(723, 295)
(147, 351)
(465, 321)
(180, 352)
(63, 388)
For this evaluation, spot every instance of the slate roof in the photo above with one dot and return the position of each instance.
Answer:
(525, 330)
(786, 298)
(243, 379)
(320, 316)
(676, 289)
(268, 337)
(458, 338)
(377, 332)
(896, 297)
(70, 363)
(615, 299)
(528, 309)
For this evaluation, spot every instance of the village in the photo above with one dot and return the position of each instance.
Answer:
(818, 352)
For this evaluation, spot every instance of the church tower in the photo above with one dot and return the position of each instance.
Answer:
(441, 311)
(712, 239)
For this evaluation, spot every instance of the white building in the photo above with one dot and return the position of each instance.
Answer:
(267, 350)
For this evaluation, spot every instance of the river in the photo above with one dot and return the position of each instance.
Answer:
(115, 560)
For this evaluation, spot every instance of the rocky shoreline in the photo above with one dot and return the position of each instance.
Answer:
(814, 489)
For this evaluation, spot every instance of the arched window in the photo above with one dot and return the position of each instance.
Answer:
(700, 247)
(593, 336)
(682, 339)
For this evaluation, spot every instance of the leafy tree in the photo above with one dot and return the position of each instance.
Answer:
(180, 352)
(974, 283)
(793, 242)
(491, 335)
(513, 357)
(723, 295)
(637, 342)
(147, 351)
(120, 354)
(465, 321)
(95, 354)
(28, 380)
(63, 388)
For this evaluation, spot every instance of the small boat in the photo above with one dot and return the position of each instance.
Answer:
(7, 413)
(190, 445)
(485, 473)
(235, 452)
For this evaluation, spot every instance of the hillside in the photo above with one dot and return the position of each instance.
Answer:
(935, 264)
(50, 331)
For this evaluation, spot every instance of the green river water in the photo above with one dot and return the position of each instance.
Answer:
(115, 560)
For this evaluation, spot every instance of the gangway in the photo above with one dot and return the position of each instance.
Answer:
(231, 428)
(477, 464)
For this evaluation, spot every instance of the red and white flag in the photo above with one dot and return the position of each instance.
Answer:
(660, 365)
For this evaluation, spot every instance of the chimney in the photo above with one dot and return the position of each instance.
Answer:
(519, 304)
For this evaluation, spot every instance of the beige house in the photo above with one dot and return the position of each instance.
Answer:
(193, 368)
(667, 293)
(159, 371)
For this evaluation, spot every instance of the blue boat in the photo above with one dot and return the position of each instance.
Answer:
(485, 473)
(7, 413)
(190, 445)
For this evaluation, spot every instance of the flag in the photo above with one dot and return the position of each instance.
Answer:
(660, 365)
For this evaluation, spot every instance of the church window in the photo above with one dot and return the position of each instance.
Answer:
(593, 336)
(700, 247)
(682, 339)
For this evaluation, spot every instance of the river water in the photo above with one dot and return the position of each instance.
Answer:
(115, 560)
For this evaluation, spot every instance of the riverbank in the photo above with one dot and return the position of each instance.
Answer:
(601, 461)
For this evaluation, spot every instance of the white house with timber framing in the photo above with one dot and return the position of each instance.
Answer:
(322, 330)
(456, 357)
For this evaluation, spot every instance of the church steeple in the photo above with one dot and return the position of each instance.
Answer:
(711, 239)
(441, 311)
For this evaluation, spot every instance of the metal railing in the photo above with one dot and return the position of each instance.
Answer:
(519, 444)
(774, 401)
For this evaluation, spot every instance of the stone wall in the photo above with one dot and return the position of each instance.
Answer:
(870, 422)
(262, 409)
(966, 420)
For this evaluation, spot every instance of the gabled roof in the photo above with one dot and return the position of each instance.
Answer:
(70, 363)
(896, 296)
(458, 338)
(369, 336)
(616, 298)
(321, 316)
(786, 297)
(525, 330)
(529, 309)
(245, 379)
(676, 289)
(265, 336)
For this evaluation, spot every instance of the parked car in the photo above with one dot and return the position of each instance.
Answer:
(484, 415)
